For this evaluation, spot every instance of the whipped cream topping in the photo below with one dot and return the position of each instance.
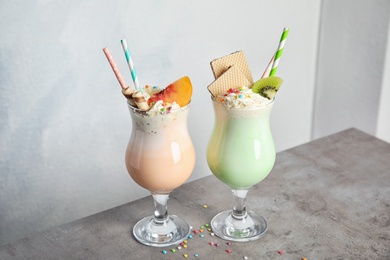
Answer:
(162, 108)
(242, 97)
(151, 90)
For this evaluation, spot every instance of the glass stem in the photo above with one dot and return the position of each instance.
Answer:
(160, 208)
(239, 205)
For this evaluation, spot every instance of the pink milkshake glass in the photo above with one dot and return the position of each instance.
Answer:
(160, 157)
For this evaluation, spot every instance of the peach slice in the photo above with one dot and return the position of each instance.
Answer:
(179, 91)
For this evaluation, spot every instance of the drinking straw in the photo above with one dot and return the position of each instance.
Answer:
(130, 64)
(268, 69)
(279, 52)
(115, 68)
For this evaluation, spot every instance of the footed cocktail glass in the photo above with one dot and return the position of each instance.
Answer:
(160, 157)
(240, 153)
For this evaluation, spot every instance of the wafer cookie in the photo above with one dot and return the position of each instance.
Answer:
(232, 78)
(221, 65)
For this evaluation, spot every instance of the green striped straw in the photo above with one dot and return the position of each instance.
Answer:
(130, 64)
(279, 52)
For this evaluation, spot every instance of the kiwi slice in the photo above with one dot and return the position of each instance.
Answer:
(267, 87)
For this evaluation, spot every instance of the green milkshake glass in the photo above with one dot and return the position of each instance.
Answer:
(240, 153)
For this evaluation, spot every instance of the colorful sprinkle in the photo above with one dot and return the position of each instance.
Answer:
(185, 241)
(303, 258)
(173, 250)
(229, 243)
(201, 230)
(209, 229)
(196, 255)
(201, 227)
(164, 252)
(245, 257)
(189, 236)
(205, 206)
(229, 251)
(211, 243)
(195, 231)
(201, 235)
(206, 225)
(217, 244)
(185, 246)
(185, 255)
(280, 252)
(181, 243)
(179, 247)
(212, 234)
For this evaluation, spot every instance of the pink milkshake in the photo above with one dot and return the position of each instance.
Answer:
(160, 155)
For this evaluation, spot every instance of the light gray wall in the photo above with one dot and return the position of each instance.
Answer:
(64, 125)
(352, 48)
(383, 125)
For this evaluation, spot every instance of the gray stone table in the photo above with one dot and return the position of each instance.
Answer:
(327, 199)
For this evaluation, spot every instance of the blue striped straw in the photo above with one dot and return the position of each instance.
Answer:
(279, 52)
(131, 65)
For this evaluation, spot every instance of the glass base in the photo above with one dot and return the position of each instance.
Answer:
(248, 228)
(168, 233)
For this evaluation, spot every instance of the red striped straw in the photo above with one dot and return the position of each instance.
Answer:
(269, 67)
(115, 68)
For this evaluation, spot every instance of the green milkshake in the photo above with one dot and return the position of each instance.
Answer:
(241, 150)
